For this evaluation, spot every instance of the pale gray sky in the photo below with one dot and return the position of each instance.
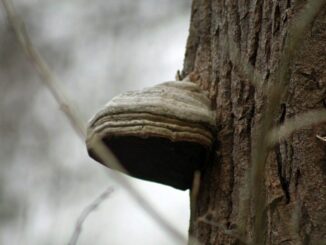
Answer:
(97, 50)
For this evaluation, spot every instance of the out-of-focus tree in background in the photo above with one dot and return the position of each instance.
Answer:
(98, 49)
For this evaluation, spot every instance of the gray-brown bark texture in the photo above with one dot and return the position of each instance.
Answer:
(226, 37)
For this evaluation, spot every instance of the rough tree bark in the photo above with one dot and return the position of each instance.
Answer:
(256, 31)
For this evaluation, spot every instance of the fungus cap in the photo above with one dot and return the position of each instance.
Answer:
(162, 133)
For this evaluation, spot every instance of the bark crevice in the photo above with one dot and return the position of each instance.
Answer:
(259, 30)
(256, 21)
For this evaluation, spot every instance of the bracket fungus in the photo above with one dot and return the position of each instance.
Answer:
(162, 134)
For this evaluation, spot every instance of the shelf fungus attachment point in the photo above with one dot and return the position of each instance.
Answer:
(162, 134)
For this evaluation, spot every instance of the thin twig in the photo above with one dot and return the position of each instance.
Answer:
(280, 82)
(245, 69)
(231, 233)
(99, 148)
(321, 138)
(193, 204)
(86, 212)
(103, 153)
(43, 69)
(254, 186)
(293, 124)
(194, 193)
(295, 223)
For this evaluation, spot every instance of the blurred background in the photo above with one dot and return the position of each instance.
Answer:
(97, 49)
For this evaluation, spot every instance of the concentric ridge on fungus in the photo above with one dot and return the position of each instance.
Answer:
(174, 110)
(171, 111)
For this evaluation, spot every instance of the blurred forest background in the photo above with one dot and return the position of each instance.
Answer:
(98, 49)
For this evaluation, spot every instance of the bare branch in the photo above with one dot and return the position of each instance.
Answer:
(293, 124)
(194, 193)
(102, 151)
(232, 233)
(246, 70)
(321, 138)
(43, 69)
(99, 148)
(86, 212)
(278, 85)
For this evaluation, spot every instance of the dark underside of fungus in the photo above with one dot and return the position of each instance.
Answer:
(161, 134)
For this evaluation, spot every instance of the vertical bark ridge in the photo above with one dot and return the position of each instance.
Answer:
(193, 39)
(255, 24)
(296, 172)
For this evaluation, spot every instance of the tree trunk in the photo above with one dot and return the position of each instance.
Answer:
(234, 52)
